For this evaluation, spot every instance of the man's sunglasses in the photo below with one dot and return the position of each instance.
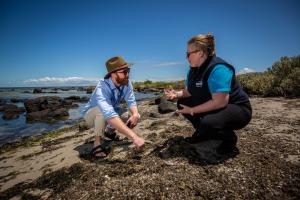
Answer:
(126, 71)
(189, 53)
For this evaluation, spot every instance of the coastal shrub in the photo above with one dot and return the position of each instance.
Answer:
(282, 79)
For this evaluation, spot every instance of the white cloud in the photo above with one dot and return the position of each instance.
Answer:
(62, 81)
(167, 64)
(246, 70)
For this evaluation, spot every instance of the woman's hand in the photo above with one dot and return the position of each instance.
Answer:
(170, 93)
(186, 110)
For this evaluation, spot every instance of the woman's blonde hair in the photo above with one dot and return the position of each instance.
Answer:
(204, 42)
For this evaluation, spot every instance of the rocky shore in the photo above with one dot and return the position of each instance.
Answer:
(58, 165)
(41, 109)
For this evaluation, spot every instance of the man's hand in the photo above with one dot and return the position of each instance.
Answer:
(138, 142)
(133, 120)
(170, 93)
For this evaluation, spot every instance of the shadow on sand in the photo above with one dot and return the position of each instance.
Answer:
(202, 153)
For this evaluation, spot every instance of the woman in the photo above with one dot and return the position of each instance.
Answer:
(213, 100)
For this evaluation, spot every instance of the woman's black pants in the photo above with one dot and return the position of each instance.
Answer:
(219, 124)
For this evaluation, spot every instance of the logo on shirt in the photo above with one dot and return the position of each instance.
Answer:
(199, 84)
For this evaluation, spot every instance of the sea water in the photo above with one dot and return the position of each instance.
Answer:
(16, 129)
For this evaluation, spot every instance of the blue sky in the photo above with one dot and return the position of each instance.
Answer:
(60, 42)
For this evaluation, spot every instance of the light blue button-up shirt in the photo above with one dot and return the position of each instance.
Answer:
(108, 97)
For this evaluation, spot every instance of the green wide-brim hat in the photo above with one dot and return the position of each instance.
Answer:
(115, 64)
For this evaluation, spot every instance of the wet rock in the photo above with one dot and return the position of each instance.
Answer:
(154, 115)
(2, 102)
(15, 100)
(67, 103)
(84, 99)
(47, 115)
(46, 108)
(73, 98)
(82, 126)
(12, 112)
(37, 90)
(61, 112)
(89, 90)
(42, 103)
(8, 106)
(74, 105)
(166, 106)
(157, 101)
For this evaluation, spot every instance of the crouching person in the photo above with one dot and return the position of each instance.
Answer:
(102, 112)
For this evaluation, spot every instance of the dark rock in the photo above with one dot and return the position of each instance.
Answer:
(61, 112)
(67, 102)
(2, 102)
(15, 100)
(82, 126)
(47, 115)
(157, 101)
(12, 112)
(42, 103)
(73, 98)
(84, 99)
(154, 115)
(48, 108)
(89, 91)
(166, 107)
(8, 106)
(74, 105)
(37, 90)
(38, 115)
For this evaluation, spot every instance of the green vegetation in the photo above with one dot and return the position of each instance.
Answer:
(157, 86)
(282, 79)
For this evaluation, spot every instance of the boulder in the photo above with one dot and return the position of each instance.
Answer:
(2, 102)
(43, 103)
(37, 90)
(82, 126)
(73, 98)
(47, 109)
(47, 115)
(8, 106)
(84, 99)
(166, 106)
(12, 112)
(16, 100)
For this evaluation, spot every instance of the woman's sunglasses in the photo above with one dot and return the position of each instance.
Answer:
(189, 53)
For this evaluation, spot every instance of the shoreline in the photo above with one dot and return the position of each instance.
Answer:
(59, 165)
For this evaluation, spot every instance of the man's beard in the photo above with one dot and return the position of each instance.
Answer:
(123, 81)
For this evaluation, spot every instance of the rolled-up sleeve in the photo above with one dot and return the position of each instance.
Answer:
(104, 102)
(129, 96)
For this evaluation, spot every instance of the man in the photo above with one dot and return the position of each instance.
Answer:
(103, 111)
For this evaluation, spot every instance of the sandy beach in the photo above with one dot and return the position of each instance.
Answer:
(266, 167)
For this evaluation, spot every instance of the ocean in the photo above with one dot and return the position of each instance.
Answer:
(16, 129)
